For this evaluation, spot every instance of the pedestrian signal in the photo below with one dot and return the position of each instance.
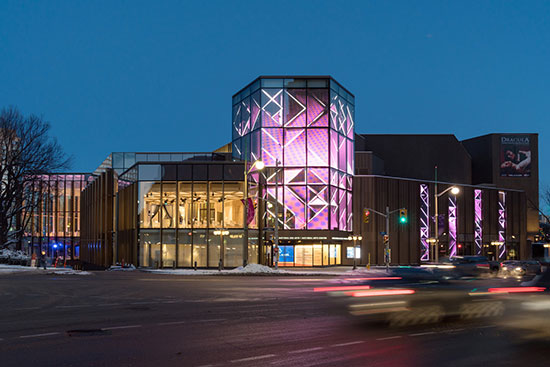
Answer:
(403, 216)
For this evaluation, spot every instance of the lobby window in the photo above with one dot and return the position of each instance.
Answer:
(234, 209)
(216, 204)
(149, 205)
(185, 205)
(233, 249)
(199, 247)
(200, 205)
(184, 248)
(169, 205)
(168, 248)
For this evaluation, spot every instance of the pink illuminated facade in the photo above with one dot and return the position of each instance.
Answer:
(304, 127)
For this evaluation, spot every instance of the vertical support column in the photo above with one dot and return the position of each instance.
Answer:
(478, 221)
(424, 222)
(452, 225)
(501, 251)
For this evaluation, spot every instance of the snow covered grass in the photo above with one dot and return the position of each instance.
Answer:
(256, 269)
(10, 269)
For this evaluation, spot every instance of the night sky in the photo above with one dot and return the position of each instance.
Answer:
(159, 75)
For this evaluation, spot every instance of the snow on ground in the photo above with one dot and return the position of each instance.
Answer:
(120, 268)
(257, 269)
(9, 269)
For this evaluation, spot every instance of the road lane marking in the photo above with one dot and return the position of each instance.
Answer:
(486, 326)
(171, 323)
(211, 320)
(110, 304)
(37, 335)
(142, 303)
(346, 344)
(454, 330)
(420, 334)
(72, 306)
(121, 327)
(305, 350)
(390, 337)
(252, 358)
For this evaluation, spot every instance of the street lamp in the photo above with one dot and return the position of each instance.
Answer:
(497, 244)
(355, 239)
(455, 191)
(259, 165)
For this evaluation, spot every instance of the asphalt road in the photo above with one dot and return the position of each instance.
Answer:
(141, 319)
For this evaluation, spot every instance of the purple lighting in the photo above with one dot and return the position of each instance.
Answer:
(424, 222)
(501, 223)
(478, 220)
(452, 225)
(309, 131)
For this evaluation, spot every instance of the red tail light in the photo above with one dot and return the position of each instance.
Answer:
(482, 265)
(517, 290)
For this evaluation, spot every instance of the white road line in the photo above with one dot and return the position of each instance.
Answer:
(110, 304)
(252, 358)
(171, 323)
(37, 335)
(72, 306)
(486, 326)
(390, 337)
(346, 344)
(121, 327)
(305, 350)
(142, 303)
(169, 301)
(211, 320)
(420, 334)
(454, 330)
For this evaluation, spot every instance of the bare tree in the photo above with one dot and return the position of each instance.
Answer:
(26, 152)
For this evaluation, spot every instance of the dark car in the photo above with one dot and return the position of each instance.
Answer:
(464, 266)
(520, 267)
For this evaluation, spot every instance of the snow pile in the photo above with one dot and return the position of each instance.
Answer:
(256, 269)
(9, 269)
(122, 268)
(14, 257)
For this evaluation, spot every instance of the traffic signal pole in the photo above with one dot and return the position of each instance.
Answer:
(387, 253)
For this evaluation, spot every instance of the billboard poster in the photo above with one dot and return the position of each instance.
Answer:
(515, 156)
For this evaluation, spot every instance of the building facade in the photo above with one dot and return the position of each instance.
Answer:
(220, 208)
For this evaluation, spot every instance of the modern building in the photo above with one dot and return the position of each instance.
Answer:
(319, 183)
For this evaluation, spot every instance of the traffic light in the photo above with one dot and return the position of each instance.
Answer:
(366, 215)
(403, 216)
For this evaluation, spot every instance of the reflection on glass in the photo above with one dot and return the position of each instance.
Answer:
(168, 205)
(214, 242)
(168, 248)
(233, 250)
(199, 248)
(184, 248)
(150, 243)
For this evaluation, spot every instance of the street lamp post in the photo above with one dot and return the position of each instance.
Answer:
(355, 238)
(454, 190)
(497, 244)
(259, 166)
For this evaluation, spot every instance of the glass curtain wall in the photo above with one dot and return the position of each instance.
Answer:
(306, 128)
(53, 223)
(179, 220)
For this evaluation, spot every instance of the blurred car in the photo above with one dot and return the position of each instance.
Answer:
(417, 296)
(520, 268)
(465, 266)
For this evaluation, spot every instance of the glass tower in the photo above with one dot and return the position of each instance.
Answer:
(305, 127)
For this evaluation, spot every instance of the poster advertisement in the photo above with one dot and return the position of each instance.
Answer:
(515, 156)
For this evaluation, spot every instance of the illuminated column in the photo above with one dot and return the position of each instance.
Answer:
(424, 222)
(452, 225)
(478, 221)
(502, 223)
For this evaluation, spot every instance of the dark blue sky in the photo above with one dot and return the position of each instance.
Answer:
(133, 76)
